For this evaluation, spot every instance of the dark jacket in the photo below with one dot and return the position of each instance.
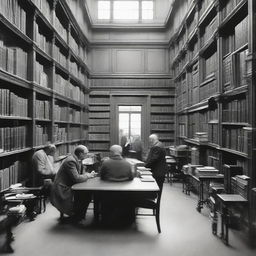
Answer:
(156, 160)
(116, 169)
(67, 176)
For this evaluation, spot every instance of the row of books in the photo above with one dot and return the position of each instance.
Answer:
(59, 134)
(162, 126)
(156, 118)
(99, 108)
(67, 89)
(102, 128)
(193, 49)
(12, 105)
(13, 138)
(60, 29)
(41, 135)
(98, 146)
(59, 56)
(13, 59)
(42, 109)
(74, 133)
(213, 134)
(241, 33)
(12, 174)
(234, 70)
(41, 76)
(74, 45)
(61, 113)
(207, 90)
(162, 100)
(99, 115)
(235, 111)
(210, 66)
(95, 136)
(13, 11)
(99, 122)
(240, 184)
(204, 5)
(182, 131)
(208, 31)
(73, 68)
(162, 109)
(242, 141)
(41, 40)
(229, 7)
(44, 7)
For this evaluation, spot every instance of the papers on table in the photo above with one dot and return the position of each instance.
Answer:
(147, 179)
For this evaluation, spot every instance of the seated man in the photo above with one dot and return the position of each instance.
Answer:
(67, 176)
(42, 164)
(117, 208)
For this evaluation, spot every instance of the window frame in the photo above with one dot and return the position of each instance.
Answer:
(139, 19)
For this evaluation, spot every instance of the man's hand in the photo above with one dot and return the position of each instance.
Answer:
(92, 174)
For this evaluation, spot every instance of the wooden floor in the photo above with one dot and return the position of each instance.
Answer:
(185, 232)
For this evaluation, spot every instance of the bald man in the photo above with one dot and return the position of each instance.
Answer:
(156, 160)
(117, 208)
(67, 176)
(116, 168)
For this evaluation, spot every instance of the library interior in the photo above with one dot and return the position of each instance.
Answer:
(128, 127)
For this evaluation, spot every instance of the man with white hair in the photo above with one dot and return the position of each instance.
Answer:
(68, 175)
(42, 165)
(156, 160)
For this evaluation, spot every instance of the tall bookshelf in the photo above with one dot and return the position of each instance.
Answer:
(99, 120)
(162, 118)
(44, 84)
(211, 63)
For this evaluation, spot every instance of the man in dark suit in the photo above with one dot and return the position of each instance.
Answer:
(69, 174)
(156, 160)
(117, 208)
(116, 168)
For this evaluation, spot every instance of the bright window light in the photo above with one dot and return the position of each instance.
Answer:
(103, 9)
(126, 10)
(147, 10)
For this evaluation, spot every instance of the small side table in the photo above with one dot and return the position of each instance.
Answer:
(228, 200)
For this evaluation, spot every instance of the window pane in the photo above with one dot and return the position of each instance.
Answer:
(147, 10)
(127, 10)
(103, 9)
(135, 126)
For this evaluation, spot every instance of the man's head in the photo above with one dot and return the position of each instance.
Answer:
(50, 149)
(81, 151)
(153, 139)
(115, 150)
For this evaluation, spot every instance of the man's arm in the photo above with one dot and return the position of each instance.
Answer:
(73, 173)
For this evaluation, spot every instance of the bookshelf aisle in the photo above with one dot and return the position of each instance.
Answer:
(211, 58)
(44, 84)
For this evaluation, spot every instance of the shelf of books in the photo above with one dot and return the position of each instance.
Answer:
(162, 118)
(209, 59)
(44, 84)
(99, 120)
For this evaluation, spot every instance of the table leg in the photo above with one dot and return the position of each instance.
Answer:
(200, 197)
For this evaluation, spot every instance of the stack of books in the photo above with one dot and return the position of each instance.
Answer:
(201, 136)
(190, 168)
(206, 171)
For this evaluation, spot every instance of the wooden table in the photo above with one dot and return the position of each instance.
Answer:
(97, 185)
(228, 200)
(205, 180)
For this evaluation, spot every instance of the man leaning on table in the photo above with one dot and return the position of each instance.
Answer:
(69, 174)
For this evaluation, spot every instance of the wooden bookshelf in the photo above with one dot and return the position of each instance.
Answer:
(44, 83)
(210, 63)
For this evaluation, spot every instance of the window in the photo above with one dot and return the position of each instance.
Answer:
(147, 10)
(129, 122)
(103, 9)
(125, 10)
(128, 10)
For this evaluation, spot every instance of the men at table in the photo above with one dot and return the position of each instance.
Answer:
(156, 160)
(68, 175)
(117, 208)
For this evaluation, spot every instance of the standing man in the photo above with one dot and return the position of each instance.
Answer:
(156, 160)
(42, 164)
(69, 174)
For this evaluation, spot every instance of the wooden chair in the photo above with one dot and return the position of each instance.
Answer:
(153, 204)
